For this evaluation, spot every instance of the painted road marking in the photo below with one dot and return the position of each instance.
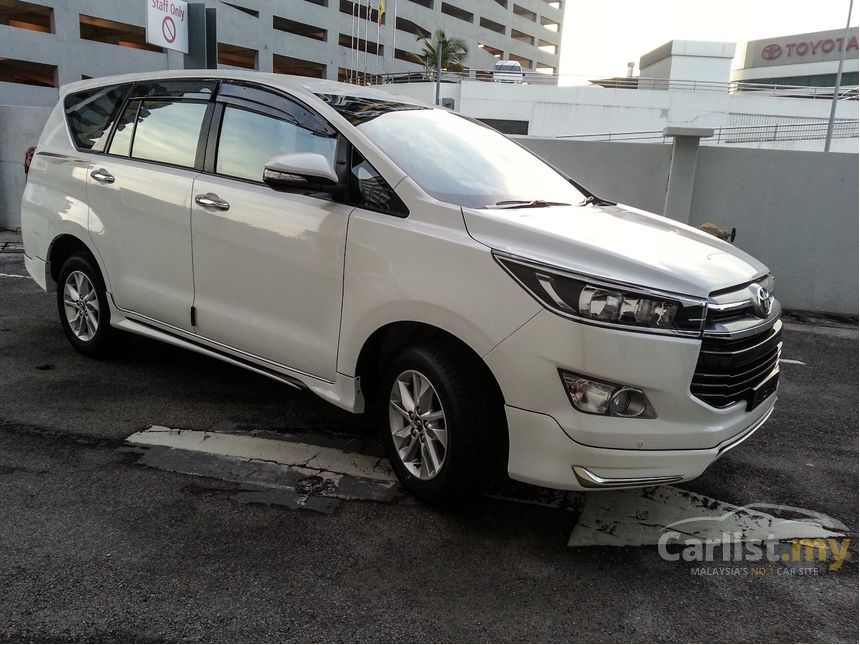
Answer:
(274, 471)
(293, 472)
(308, 458)
(639, 517)
(790, 361)
(12, 275)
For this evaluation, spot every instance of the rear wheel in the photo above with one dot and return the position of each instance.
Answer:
(82, 305)
(440, 422)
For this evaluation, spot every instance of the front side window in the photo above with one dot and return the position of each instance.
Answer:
(90, 115)
(249, 139)
(166, 132)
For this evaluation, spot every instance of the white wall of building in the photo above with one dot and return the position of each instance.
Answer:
(687, 60)
(553, 111)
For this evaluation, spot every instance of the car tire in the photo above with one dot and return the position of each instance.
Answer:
(445, 446)
(83, 307)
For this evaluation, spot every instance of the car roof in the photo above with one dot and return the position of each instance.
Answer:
(304, 86)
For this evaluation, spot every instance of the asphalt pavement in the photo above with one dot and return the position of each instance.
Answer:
(100, 544)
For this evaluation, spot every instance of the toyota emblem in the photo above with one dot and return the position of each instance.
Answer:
(763, 302)
(772, 51)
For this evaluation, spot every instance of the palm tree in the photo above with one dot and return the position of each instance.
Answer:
(454, 51)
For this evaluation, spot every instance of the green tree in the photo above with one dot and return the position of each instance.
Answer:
(454, 51)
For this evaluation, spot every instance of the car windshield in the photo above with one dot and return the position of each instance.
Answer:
(457, 160)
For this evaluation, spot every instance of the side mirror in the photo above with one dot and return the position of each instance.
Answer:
(309, 170)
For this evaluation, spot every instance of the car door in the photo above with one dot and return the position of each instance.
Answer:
(140, 199)
(268, 265)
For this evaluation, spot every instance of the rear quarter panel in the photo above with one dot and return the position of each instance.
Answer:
(55, 200)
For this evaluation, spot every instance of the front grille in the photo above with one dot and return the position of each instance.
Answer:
(729, 368)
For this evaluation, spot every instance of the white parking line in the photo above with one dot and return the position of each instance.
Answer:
(790, 361)
(322, 461)
(640, 517)
(12, 275)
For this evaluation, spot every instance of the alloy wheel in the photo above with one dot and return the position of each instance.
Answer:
(418, 426)
(81, 306)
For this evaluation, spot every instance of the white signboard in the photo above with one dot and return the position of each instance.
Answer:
(167, 24)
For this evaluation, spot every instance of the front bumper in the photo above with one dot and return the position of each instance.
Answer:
(542, 454)
(549, 437)
(526, 366)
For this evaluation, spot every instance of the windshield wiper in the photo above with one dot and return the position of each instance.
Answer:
(534, 203)
(594, 200)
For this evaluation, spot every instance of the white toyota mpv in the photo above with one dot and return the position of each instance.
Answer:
(400, 259)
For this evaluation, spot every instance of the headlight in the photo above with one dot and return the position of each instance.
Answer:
(602, 302)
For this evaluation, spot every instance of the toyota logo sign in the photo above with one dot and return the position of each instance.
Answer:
(763, 302)
(772, 51)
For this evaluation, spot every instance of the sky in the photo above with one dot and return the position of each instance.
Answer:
(599, 37)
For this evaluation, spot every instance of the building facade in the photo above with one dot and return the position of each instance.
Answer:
(800, 59)
(46, 43)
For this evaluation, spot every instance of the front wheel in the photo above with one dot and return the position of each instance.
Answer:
(441, 423)
(83, 307)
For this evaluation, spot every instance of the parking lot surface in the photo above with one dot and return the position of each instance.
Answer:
(112, 530)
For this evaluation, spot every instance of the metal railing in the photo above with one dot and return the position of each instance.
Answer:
(531, 77)
(843, 129)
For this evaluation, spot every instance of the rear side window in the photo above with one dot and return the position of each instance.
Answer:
(121, 142)
(90, 115)
(159, 130)
(168, 132)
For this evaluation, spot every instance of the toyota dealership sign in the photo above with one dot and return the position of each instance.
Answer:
(167, 24)
(816, 47)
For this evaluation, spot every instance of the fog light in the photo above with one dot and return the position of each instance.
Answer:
(609, 399)
(628, 402)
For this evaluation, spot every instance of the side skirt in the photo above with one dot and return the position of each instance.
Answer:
(344, 392)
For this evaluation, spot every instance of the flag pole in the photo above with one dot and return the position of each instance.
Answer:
(366, 29)
(378, 20)
(394, 41)
(354, 43)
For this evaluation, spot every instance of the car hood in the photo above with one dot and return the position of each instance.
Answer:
(619, 243)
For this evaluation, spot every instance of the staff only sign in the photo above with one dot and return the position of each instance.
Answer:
(167, 24)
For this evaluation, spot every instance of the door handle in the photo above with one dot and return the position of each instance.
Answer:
(211, 200)
(103, 176)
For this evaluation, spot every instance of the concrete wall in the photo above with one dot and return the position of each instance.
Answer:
(20, 128)
(688, 60)
(795, 211)
(72, 55)
(632, 173)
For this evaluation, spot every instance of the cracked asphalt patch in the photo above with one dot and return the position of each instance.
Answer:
(272, 469)
(98, 548)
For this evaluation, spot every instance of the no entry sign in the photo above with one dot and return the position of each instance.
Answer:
(167, 24)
